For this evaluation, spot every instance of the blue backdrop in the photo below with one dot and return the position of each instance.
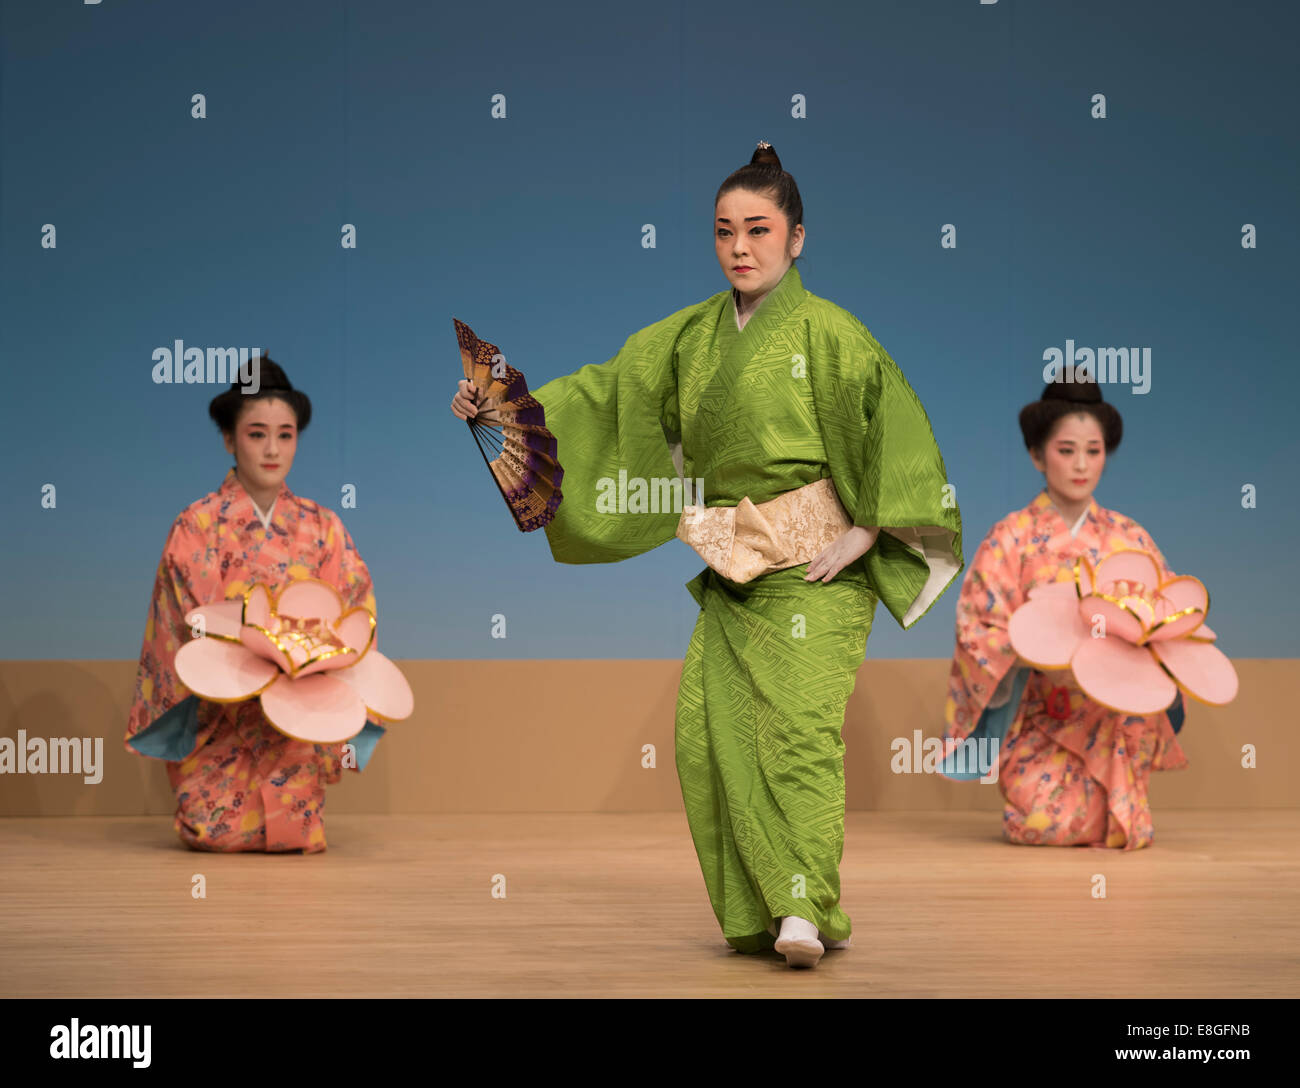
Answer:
(1123, 231)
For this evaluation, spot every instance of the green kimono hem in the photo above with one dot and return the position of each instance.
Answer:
(755, 942)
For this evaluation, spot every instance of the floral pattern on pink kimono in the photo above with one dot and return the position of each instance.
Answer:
(1077, 775)
(245, 785)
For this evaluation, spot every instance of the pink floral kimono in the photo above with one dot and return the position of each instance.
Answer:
(1072, 772)
(240, 783)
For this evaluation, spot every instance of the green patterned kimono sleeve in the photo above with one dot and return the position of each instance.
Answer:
(610, 422)
(883, 449)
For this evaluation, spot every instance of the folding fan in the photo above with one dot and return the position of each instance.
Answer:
(511, 424)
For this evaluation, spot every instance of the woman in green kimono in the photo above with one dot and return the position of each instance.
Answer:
(760, 391)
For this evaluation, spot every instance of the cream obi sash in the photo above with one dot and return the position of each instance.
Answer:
(743, 541)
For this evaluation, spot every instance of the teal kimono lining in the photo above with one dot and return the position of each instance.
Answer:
(173, 735)
(993, 726)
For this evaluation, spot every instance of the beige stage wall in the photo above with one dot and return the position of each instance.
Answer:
(567, 736)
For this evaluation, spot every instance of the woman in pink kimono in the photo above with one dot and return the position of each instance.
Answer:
(1072, 772)
(240, 783)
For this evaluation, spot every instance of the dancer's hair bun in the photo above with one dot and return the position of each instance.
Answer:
(1061, 398)
(272, 381)
(765, 155)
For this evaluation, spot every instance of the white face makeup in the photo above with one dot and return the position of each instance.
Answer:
(754, 246)
(264, 443)
(1073, 458)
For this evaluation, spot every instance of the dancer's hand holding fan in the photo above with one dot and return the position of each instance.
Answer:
(505, 418)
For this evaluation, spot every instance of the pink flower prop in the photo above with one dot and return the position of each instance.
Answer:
(1153, 641)
(314, 666)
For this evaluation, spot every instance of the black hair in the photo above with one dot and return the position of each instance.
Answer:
(1039, 418)
(763, 175)
(272, 382)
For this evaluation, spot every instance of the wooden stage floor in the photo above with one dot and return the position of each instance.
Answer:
(613, 905)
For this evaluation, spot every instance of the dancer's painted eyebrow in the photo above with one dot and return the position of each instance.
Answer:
(748, 218)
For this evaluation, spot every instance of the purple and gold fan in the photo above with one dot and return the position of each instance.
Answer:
(511, 423)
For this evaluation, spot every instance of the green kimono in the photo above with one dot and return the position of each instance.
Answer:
(802, 392)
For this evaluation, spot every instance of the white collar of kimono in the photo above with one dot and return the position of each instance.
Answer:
(264, 518)
(737, 302)
(1078, 524)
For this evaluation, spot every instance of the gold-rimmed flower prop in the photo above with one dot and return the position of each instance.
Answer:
(314, 665)
(1131, 637)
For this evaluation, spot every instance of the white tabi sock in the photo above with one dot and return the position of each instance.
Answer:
(798, 928)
